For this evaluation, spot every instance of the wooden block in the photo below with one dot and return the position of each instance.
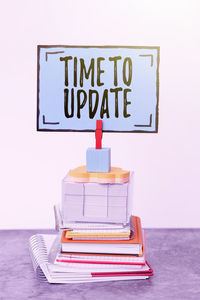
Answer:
(98, 160)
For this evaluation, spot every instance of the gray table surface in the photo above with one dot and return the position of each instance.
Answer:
(174, 255)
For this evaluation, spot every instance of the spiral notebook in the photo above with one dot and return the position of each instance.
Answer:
(44, 248)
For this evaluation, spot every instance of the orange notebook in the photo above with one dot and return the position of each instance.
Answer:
(131, 246)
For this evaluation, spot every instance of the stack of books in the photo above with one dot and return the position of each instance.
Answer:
(99, 239)
(90, 252)
(108, 251)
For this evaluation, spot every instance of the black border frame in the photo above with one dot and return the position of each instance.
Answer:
(128, 47)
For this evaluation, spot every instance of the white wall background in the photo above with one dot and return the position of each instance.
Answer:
(166, 165)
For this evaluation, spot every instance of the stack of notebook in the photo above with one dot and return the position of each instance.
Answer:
(99, 239)
(90, 252)
(107, 251)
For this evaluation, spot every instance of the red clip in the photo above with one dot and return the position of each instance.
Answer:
(98, 134)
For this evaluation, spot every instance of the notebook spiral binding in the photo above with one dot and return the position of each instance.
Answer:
(38, 254)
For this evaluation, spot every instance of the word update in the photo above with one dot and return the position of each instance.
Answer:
(97, 96)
